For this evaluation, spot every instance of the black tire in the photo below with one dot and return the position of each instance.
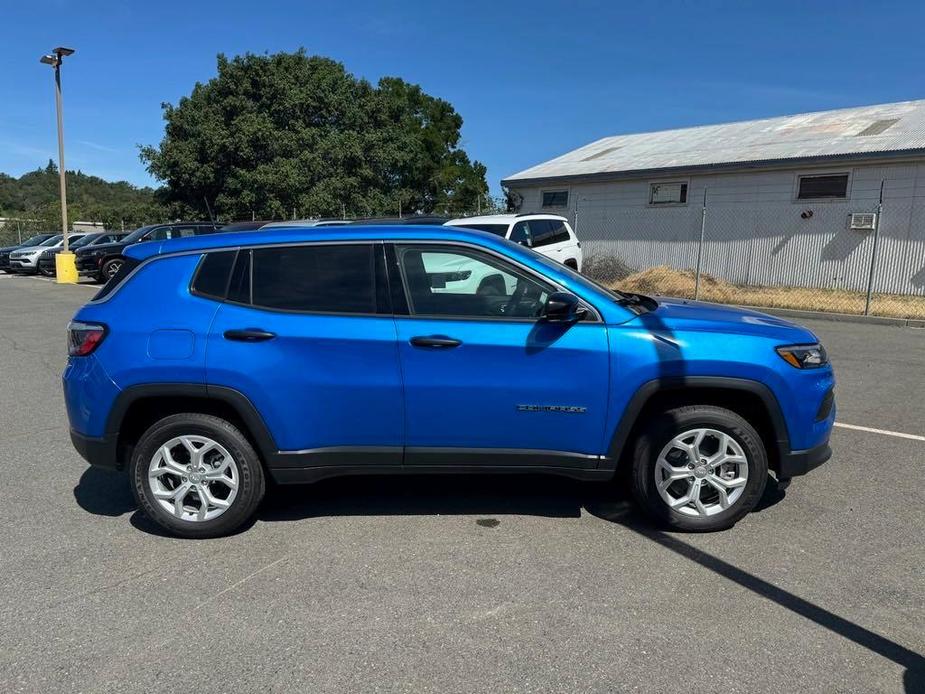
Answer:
(662, 430)
(251, 484)
(47, 272)
(110, 268)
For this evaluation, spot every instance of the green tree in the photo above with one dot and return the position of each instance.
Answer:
(288, 133)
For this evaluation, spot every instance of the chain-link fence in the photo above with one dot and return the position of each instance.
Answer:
(861, 256)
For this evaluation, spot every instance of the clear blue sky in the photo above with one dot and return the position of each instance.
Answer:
(531, 79)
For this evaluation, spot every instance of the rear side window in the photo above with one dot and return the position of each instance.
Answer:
(322, 278)
(212, 277)
(548, 231)
(128, 265)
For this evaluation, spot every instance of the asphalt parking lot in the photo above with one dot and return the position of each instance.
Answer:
(463, 585)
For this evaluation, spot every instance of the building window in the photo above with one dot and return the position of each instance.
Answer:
(673, 193)
(826, 186)
(555, 198)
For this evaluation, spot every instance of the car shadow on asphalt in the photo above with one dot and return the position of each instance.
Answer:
(487, 496)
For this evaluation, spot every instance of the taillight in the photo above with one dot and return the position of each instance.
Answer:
(83, 338)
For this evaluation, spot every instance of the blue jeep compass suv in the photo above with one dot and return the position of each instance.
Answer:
(210, 363)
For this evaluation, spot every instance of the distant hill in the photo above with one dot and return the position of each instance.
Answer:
(34, 196)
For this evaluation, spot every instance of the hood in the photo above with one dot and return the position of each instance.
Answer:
(115, 247)
(30, 249)
(685, 315)
(8, 249)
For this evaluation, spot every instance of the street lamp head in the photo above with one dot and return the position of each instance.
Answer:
(49, 60)
(61, 51)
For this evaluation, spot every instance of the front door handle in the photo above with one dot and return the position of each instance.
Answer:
(436, 341)
(249, 335)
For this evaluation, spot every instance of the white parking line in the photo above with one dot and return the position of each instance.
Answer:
(898, 434)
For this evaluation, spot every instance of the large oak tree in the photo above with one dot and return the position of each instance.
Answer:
(271, 135)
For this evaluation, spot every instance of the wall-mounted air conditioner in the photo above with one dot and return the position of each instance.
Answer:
(862, 221)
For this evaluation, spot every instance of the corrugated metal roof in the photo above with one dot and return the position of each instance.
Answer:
(862, 131)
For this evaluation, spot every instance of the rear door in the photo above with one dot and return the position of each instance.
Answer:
(306, 334)
(486, 381)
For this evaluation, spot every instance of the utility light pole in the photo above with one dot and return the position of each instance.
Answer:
(55, 59)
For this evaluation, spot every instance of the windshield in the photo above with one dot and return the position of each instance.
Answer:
(35, 240)
(499, 229)
(53, 240)
(84, 240)
(137, 234)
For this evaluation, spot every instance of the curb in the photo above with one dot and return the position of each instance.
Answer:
(840, 317)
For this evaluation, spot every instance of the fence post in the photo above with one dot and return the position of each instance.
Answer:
(873, 253)
(703, 224)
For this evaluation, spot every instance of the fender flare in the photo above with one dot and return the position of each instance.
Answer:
(235, 399)
(649, 389)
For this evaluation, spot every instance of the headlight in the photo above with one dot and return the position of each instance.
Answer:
(804, 356)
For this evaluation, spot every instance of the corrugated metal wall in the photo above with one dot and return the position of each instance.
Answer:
(756, 232)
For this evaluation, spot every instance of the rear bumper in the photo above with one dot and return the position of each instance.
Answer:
(797, 463)
(99, 452)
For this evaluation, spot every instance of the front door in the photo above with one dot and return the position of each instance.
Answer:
(486, 381)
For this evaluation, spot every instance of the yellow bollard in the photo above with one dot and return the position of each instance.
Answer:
(66, 268)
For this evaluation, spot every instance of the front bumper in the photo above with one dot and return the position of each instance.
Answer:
(23, 265)
(797, 463)
(99, 452)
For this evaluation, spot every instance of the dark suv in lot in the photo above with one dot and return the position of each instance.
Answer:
(102, 261)
(46, 262)
(211, 363)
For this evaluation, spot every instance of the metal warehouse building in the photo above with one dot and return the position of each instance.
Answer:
(794, 200)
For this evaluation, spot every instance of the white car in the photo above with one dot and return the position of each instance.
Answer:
(26, 260)
(548, 234)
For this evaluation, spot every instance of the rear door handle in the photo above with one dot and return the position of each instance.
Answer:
(249, 335)
(436, 341)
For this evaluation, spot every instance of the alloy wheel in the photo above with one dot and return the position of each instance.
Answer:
(194, 478)
(701, 472)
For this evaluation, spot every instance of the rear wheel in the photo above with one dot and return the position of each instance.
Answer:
(699, 468)
(197, 476)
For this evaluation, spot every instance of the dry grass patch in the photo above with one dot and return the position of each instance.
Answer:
(667, 281)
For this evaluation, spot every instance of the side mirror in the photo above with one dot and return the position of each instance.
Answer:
(562, 307)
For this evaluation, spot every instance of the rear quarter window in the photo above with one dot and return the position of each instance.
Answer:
(212, 276)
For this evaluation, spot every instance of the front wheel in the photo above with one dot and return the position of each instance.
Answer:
(110, 268)
(699, 468)
(197, 476)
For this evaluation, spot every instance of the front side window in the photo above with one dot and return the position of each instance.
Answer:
(820, 187)
(521, 234)
(444, 281)
(320, 278)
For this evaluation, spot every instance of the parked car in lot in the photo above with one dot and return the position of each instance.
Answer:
(34, 240)
(103, 261)
(46, 264)
(211, 363)
(548, 234)
(25, 261)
